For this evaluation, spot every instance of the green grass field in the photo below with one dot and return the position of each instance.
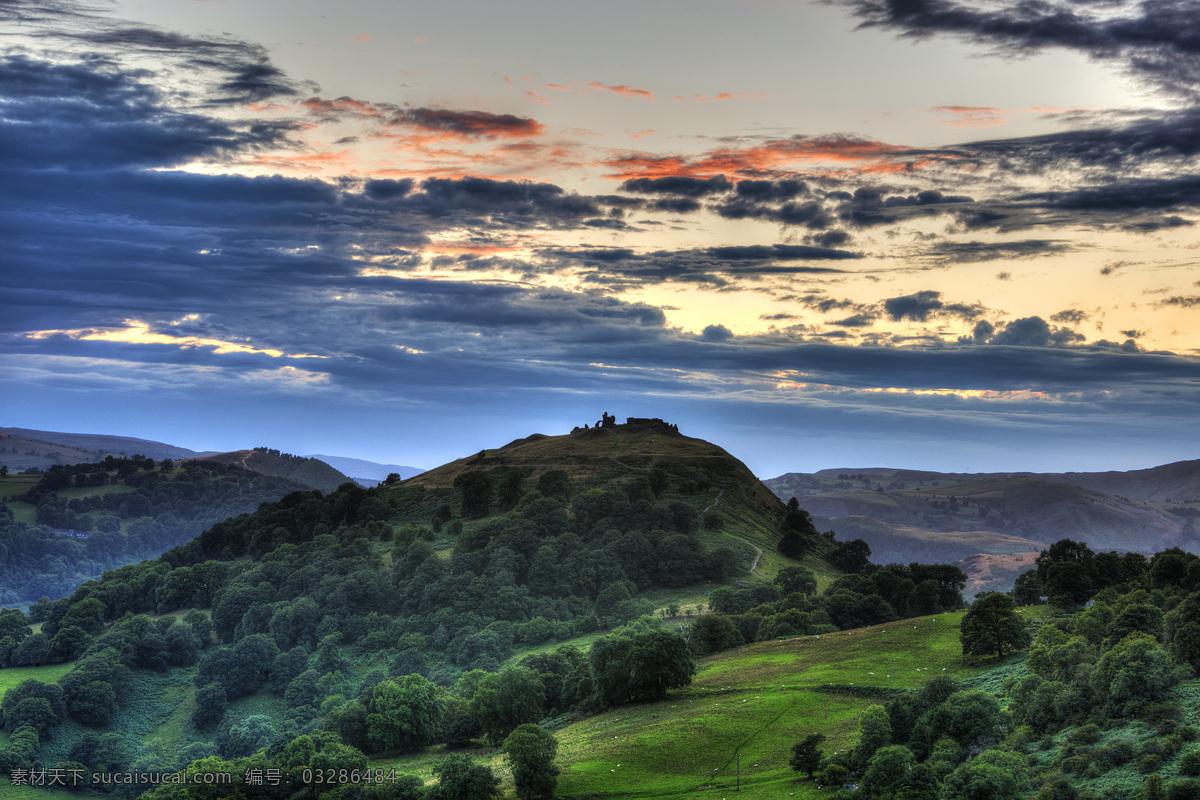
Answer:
(755, 701)
(11, 676)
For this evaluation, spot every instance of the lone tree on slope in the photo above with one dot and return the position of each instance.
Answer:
(992, 626)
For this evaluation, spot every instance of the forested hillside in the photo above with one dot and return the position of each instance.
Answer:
(69, 524)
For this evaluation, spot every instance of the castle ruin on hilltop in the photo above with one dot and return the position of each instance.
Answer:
(632, 424)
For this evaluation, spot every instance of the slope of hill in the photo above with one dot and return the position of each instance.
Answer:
(701, 474)
(22, 448)
(299, 469)
(1170, 483)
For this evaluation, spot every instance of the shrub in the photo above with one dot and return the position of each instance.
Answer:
(1190, 763)
(1085, 734)
(1183, 789)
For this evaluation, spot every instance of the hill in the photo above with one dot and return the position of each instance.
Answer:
(298, 469)
(1142, 511)
(69, 524)
(693, 471)
(553, 578)
(22, 448)
(367, 473)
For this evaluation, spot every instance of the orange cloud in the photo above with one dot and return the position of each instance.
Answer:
(623, 90)
(472, 124)
(265, 108)
(533, 95)
(363, 37)
(342, 105)
(867, 156)
(444, 124)
(984, 116)
(719, 98)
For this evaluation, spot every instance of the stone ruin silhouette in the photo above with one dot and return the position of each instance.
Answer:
(633, 424)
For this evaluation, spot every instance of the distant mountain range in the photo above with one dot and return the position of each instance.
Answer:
(917, 515)
(23, 448)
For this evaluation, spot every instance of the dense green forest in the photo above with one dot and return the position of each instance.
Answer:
(1100, 703)
(120, 511)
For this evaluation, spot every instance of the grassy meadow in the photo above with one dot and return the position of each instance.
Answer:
(755, 701)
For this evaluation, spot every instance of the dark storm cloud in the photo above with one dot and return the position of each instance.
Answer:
(923, 305)
(1138, 205)
(915, 307)
(239, 71)
(811, 215)
(678, 185)
(471, 124)
(830, 238)
(1171, 137)
(855, 321)
(1156, 40)
(1034, 332)
(1144, 194)
(1179, 301)
(1070, 316)
(675, 205)
(500, 200)
(967, 252)
(89, 116)
(780, 252)
(767, 191)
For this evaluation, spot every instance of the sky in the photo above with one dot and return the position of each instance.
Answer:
(928, 234)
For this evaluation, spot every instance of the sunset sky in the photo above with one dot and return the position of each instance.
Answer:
(912, 233)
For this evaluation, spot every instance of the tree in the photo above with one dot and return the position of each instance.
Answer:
(211, 703)
(1027, 590)
(506, 700)
(712, 633)
(887, 771)
(403, 714)
(795, 579)
(875, 731)
(531, 750)
(460, 778)
(1067, 571)
(992, 775)
(476, 488)
(850, 556)
(807, 755)
(991, 625)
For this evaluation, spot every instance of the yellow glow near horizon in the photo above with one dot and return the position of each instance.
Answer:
(137, 332)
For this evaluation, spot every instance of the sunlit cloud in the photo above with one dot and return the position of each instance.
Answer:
(136, 332)
(801, 152)
(985, 116)
(623, 90)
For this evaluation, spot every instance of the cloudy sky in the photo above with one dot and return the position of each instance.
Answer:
(917, 233)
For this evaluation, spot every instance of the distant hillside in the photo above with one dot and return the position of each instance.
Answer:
(300, 469)
(1170, 483)
(1144, 510)
(22, 448)
(366, 472)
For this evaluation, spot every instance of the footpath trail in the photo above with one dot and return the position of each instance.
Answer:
(754, 566)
